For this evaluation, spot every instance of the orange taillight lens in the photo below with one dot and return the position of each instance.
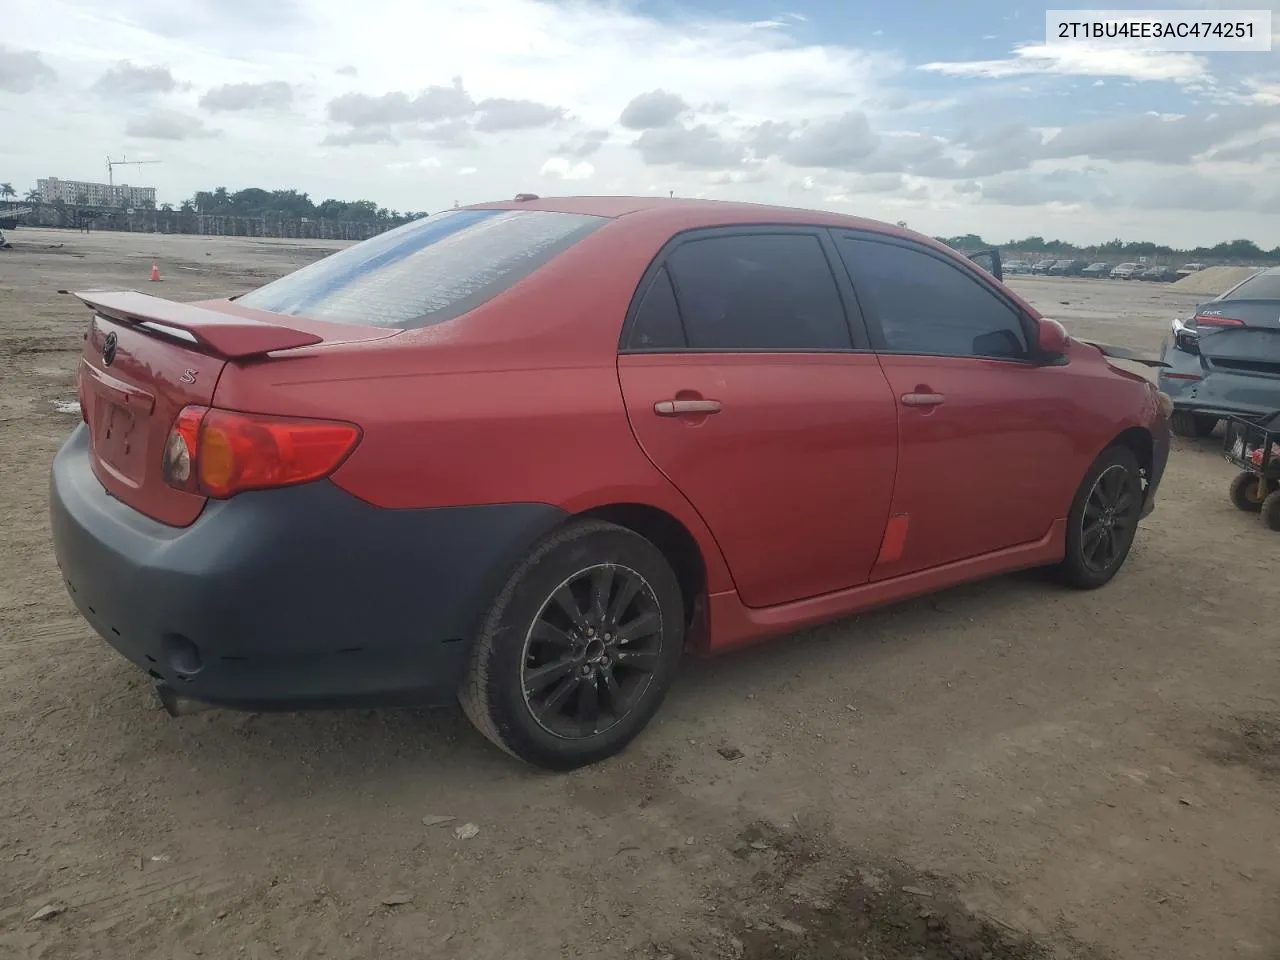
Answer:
(221, 453)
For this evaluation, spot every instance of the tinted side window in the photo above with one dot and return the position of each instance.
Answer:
(758, 292)
(428, 270)
(926, 305)
(657, 320)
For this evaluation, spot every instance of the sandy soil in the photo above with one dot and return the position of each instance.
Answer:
(1006, 770)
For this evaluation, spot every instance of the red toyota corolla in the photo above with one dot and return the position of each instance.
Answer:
(527, 453)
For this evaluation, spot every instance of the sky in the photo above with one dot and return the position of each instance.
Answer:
(954, 117)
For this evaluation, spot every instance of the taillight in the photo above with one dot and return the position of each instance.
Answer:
(180, 450)
(220, 453)
(1217, 320)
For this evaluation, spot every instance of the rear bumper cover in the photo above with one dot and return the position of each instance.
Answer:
(1215, 392)
(304, 597)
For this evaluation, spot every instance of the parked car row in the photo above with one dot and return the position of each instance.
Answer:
(1101, 270)
(1098, 270)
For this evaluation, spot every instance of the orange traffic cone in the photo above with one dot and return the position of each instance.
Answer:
(155, 271)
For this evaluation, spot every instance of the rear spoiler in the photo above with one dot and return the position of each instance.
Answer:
(211, 330)
(1124, 353)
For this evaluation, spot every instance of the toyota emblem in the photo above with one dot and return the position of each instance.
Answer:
(109, 349)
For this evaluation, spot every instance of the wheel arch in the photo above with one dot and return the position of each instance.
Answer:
(680, 547)
(1141, 443)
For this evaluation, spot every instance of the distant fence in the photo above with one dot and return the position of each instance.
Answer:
(202, 224)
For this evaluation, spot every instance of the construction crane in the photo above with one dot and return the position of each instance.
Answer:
(112, 164)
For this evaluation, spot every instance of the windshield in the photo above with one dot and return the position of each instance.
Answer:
(428, 270)
(1261, 286)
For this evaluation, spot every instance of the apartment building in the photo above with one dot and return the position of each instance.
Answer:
(86, 193)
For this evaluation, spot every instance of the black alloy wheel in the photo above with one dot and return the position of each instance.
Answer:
(1109, 518)
(591, 652)
(1103, 520)
(579, 647)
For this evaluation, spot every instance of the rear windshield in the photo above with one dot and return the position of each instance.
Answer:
(427, 271)
(1261, 286)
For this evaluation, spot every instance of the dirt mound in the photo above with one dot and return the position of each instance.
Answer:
(1214, 280)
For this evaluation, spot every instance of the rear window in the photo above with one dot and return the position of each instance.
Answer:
(1261, 286)
(427, 271)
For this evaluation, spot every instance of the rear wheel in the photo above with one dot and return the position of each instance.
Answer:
(1249, 491)
(1103, 520)
(1271, 510)
(579, 649)
(1197, 425)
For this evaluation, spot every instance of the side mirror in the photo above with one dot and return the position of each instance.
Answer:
(1052, 338)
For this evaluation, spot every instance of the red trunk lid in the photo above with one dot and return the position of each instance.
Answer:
(146, 358)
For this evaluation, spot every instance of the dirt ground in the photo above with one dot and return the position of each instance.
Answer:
(1006, 770)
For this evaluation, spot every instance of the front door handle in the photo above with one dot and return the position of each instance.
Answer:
(683, 408)
(923, 399)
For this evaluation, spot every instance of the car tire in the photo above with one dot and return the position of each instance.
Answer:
(1249, 491)
(1271, 510)
(1107, 506)
(560, 691)
(1193, 425)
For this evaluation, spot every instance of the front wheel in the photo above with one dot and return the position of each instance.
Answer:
(579, 649)
(1103, 520)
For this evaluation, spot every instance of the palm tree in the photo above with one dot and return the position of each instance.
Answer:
(33, 196)
(7, 191)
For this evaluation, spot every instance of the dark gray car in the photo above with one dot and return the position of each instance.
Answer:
(1225, 360)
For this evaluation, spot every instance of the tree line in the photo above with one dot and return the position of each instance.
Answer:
(296, 205)
(1245, 251)
(256, 202)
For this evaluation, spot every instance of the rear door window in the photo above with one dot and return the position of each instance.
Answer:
(925, 305)
(427, 271)
(657, 325)
(758, 292)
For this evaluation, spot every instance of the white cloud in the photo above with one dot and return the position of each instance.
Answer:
(529, 95)
(1083, 60)
(562, 169)
(426, 163)
(1264, 91)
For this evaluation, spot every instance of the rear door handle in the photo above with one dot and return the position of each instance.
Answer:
(923, 399)
(681, 408)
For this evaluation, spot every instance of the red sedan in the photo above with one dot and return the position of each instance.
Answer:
(526, 454)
